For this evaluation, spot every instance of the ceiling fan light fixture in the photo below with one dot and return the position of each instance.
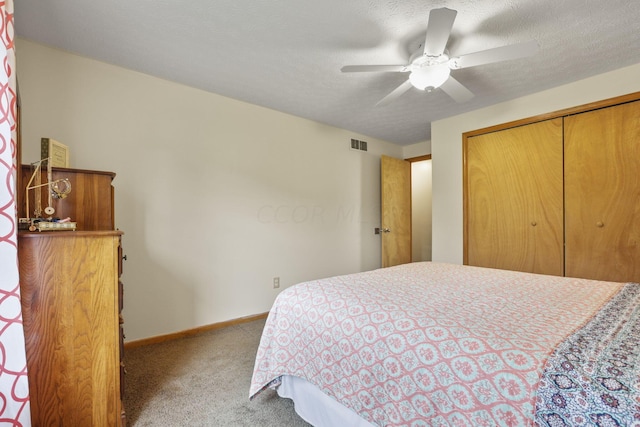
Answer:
(430, 65)
(430, 77)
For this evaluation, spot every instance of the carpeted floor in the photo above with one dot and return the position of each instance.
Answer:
(202, 381)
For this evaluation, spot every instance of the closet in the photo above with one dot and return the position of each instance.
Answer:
(557, 194)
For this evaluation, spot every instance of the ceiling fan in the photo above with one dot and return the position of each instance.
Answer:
(430, 65)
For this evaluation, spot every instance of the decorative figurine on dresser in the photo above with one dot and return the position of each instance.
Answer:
(70, 263)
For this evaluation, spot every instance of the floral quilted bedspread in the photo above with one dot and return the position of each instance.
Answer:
(593, 377)
(430, 344)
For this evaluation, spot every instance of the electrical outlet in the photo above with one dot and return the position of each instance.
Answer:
(276, 282)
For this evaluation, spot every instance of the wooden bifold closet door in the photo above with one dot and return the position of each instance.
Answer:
(602, 193)
(514, 198)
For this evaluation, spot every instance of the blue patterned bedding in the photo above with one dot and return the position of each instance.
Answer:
(593, 377)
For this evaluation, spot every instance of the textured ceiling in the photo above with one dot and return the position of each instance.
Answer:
(286, 55)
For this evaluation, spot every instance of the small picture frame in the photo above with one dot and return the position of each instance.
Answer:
(57, 152)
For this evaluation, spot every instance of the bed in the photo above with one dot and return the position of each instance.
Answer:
(431, 344)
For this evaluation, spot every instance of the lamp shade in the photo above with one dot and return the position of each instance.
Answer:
(430, 76)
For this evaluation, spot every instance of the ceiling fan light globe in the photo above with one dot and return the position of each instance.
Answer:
(430, 77)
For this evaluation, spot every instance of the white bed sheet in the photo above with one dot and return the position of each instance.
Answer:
(317, 408)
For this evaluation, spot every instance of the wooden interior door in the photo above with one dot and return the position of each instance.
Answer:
(513, 199)
(396, 211)
(602, 193)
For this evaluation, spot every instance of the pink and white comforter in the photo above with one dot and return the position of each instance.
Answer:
(433, 344)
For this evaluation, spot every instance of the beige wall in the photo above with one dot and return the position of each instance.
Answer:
(416, 150)
(216, 197)
(446, 145)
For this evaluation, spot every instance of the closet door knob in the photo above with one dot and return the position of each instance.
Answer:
(599, 224)
(533, 223)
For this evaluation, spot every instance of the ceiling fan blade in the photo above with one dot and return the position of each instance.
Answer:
(438, 30)
(395, 94)
(366, 68)
(456, 90)
(497, 54)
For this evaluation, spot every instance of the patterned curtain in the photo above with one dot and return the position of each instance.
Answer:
(14, 387)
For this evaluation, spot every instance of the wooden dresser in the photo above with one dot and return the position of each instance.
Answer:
(71, 307)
